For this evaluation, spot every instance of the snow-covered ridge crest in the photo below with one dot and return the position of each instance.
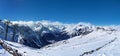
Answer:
(54, 38)
(40, 33)
(57, 24)
(31, 23)
(59, 27)
(46, 23)
(50, 23)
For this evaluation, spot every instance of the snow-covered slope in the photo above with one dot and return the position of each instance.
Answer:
(40, 33)
(107, 40)
(82, 40)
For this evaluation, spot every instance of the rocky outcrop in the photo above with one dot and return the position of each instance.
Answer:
(12, 51)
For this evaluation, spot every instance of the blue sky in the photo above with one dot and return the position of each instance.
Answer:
(99, 12)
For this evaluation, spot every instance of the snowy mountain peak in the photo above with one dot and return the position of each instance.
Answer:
(50, 36)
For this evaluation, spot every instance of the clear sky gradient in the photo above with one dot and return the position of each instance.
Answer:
(99, 12)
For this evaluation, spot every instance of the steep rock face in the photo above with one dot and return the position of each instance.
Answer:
(39, 29)
(79, 29)
(47, 38)
(28, 37)
(40, 34)
(2, 30)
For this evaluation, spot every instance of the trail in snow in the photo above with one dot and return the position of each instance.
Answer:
(85, 40)
(92, 51)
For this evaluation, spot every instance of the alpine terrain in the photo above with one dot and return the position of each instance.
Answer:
(46, 38)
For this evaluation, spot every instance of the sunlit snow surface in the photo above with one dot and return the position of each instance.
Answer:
(4, 53)
(76, 46)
